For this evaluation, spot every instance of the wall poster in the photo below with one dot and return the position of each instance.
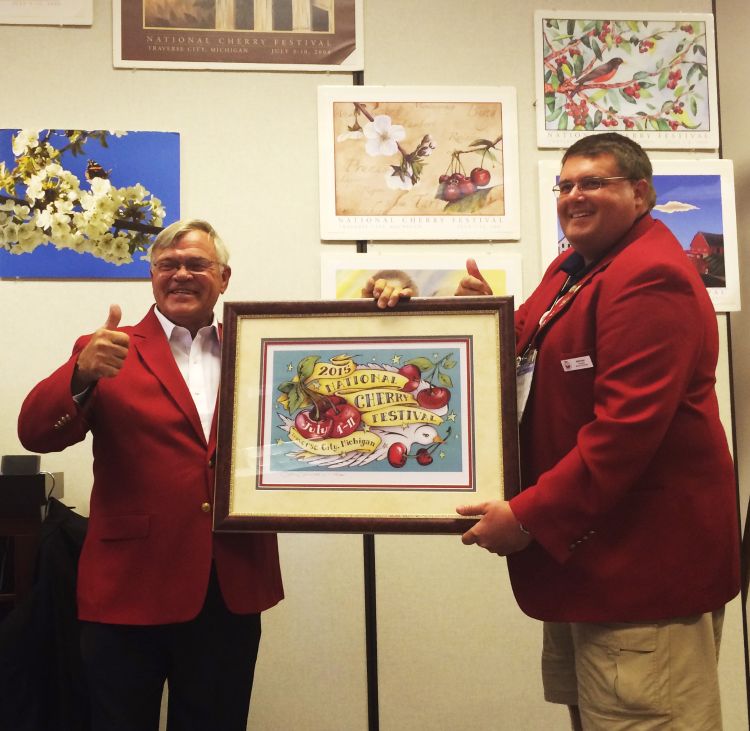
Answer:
(651, 76)
(343, 276)
(84, 204)
(425, 163)
(271, 35)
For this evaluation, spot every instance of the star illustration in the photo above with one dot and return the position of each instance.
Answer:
(290, 367)
(452, 416)
(396, 359)
(442, 455)
(365, 427)
(279, 442)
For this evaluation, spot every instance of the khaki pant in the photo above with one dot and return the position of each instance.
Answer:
(639, 676)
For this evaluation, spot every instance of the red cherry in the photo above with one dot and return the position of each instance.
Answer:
(397, 454)
(451, 192)
(312, 428)
(434, 398)
(424, 457)
(345, 419)
(410, 371)
(480, 176)
(443, 178)
(466, 187)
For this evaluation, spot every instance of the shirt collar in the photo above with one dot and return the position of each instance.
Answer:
(170, 326)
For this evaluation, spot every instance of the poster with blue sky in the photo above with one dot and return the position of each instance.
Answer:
(84, 204)
(695, 199)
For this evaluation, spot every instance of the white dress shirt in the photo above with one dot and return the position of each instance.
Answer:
(199, 361)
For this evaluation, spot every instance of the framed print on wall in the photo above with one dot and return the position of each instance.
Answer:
(337, 416)
(651, 76)
(342, 276)
(46, 12)
(695, 200)
(418, 163)
(84, 204)
(262, 35)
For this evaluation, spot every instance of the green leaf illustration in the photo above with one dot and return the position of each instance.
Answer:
(424, 364)
(306, 366)
(445, 380)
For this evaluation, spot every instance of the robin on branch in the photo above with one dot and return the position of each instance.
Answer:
(599, 74)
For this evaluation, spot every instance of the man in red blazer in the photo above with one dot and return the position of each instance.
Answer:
(161, 597)
(624, 538)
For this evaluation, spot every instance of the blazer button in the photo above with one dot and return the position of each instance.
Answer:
(206, 507)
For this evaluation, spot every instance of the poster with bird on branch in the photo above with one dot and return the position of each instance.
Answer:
(651, 76)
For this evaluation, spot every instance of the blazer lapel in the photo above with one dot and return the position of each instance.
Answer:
(151, 343)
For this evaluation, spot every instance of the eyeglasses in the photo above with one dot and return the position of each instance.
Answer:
(193, 266)
(584, 185)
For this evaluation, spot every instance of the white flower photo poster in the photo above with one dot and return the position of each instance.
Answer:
(418, 163)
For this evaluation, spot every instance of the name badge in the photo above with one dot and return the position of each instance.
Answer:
(577, 364)
(524, 374)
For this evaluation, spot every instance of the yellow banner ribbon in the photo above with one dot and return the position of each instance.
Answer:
(358, 441)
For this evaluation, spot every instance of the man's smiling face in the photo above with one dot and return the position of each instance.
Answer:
(187, 295)
(594, 221)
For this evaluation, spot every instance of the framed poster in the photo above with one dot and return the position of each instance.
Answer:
(84, 204)
(270, 35)
(46, 12)
(343, 276)
(651, 76)
(337, 416)
(418, 163)
(695, 200)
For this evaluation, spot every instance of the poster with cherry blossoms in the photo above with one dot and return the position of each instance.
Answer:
(651, 76)
(84, 204)
(407, 163)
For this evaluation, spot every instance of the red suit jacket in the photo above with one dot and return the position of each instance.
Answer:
(629, 483)
(147, 554)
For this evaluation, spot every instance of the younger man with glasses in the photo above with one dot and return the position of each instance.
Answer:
(624, 539)
(161, 597)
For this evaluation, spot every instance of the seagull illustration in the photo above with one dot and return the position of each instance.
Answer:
(408, 435)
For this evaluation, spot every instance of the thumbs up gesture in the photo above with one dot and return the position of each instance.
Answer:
(104, 354)
(473, 284)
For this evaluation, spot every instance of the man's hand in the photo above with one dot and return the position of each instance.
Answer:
(497, 530)
(104, 354)
(388, 291)
(473, 284)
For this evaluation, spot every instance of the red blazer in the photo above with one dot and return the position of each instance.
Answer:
(629, 483)
(147, 554)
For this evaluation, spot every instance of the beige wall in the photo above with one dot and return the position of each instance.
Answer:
(454, 648)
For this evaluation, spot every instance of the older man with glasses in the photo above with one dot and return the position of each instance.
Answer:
(161, 598)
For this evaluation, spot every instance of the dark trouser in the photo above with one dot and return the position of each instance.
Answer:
(208, 662)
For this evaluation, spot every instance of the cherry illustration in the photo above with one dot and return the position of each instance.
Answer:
(480, 176)
(451, 192)
(397, 454)
(414, 375)
(311, 427)
(434, 397)
(344, 418)
(467, 187)
(424, 457)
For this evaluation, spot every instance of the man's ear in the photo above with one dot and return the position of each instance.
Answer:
(642, 190)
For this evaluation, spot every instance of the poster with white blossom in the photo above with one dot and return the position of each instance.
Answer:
(651, 76)
(418, 163)
(84, 204)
